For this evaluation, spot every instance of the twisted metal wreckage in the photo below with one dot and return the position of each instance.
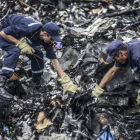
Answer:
(86, 28)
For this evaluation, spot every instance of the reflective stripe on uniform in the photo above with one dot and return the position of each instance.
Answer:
(31, 24)
(40, 71)
(5, 68)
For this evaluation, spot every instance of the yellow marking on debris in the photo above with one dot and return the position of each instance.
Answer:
(42, 121)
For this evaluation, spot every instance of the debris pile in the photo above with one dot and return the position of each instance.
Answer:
(87, 28)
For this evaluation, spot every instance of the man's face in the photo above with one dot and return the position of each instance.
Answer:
(46, 37)
(121, 57)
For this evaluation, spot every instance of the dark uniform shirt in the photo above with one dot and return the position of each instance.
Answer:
(133, 52)
(21, 26)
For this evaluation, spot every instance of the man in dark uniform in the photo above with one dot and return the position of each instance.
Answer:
(123, 54)
(23, 35)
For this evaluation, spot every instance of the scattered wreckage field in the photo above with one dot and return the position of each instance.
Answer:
(87, 28)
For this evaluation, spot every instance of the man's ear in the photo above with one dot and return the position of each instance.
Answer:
(44, 32)
(121, 52)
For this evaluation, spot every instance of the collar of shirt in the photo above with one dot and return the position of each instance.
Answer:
(35, 36)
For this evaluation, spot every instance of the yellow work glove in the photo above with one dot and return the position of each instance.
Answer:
(67, 84)
(97, 91)
(138, 97)
(25, 47)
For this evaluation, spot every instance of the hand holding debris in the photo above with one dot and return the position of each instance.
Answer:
(68, 85)
(25, 47)
(97, 91)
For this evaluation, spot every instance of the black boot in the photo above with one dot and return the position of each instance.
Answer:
(36, 82)
(3, 93)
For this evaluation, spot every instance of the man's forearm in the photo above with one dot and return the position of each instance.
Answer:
(109, 76)
(106, 79)
(9, 38)
(57, 67)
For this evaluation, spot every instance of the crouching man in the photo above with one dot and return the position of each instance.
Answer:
(23, 35)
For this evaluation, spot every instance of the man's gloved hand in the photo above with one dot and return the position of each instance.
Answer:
(138, 97)
(97, 91)
(25, 47)
(68, 85)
